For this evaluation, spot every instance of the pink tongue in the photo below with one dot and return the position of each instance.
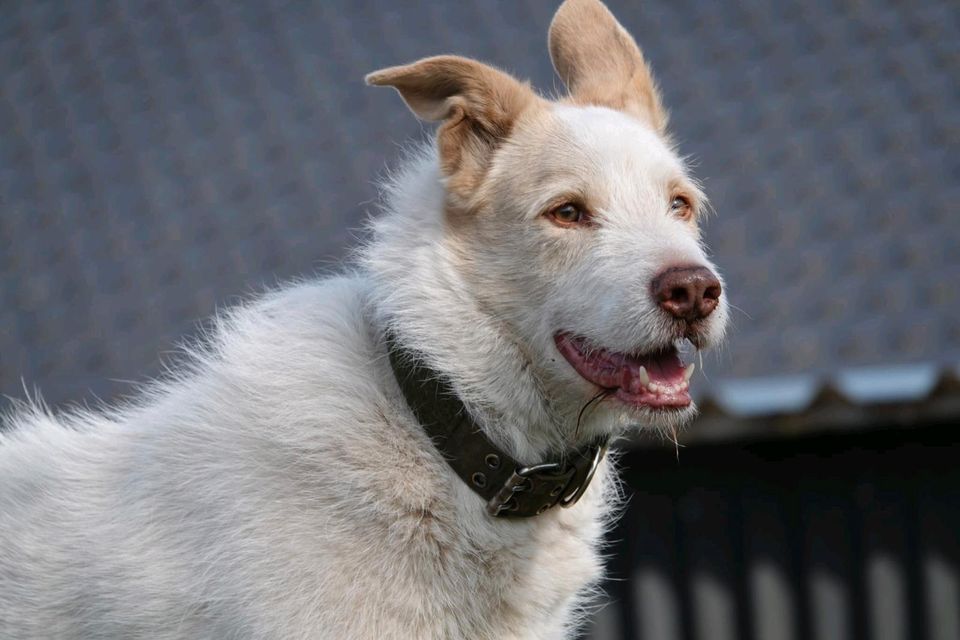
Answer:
(664, 368)
(609, 370)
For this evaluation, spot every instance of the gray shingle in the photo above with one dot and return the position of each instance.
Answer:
(158, 159)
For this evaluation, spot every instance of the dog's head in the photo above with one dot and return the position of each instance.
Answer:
(575, 222)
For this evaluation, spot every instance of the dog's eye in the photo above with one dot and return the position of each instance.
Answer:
(567, 215)
(680, 206)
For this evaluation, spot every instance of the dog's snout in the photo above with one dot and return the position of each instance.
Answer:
(687, 293)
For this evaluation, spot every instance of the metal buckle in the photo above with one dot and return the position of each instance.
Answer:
(516, 484)
(519, 481)
(581, 488)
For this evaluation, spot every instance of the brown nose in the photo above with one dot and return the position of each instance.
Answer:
(688, 293)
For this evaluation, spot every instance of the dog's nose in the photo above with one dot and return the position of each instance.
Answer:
(687, 293)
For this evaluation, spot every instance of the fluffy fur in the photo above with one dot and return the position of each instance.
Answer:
(279, 487)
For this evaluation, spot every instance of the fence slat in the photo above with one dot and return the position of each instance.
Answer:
(939, 515)
(773, 603)
(711, 550)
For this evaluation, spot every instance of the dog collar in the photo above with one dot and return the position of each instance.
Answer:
(511, 490)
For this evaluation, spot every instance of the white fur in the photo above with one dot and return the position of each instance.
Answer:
(279, 487)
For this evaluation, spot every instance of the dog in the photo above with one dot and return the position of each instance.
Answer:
(414, 448)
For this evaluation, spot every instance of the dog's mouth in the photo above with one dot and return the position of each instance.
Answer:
(656, 380)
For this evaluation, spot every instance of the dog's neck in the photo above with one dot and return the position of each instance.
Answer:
(420, 295)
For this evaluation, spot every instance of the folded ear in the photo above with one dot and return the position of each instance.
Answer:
(478, 105)
(601, 64)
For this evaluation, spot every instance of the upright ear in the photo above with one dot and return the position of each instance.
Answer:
(477, 104)
(601, 64)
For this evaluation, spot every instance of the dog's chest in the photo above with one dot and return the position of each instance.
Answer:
(544, 581)
(525, 579)
(469, 576)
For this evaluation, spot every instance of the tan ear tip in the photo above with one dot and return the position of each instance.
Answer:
(567, 5)
(374, 78)
(576, 12)
(385, 77)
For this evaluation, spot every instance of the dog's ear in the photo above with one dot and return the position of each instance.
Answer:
(477, 104)
(601, 63)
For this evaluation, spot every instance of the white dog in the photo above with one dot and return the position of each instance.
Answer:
(387, 454)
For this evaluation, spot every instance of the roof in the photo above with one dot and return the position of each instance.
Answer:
(158, 159)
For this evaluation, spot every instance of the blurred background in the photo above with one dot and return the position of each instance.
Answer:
(160, 160)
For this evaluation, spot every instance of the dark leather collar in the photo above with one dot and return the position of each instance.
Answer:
(510, 489)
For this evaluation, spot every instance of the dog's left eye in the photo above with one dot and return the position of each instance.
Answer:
(568, 215)
(680, 206)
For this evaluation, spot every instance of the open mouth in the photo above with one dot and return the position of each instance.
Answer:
(656, 380)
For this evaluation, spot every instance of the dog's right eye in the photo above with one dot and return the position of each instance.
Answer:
(681, 207)
(567, 215)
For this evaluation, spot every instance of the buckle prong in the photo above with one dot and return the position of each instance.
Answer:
(518, 482)
(549, 467)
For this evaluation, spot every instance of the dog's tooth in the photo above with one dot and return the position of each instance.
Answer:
(643, 376)
(688, 372)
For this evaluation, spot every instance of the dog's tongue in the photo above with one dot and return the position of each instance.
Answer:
(656, 379)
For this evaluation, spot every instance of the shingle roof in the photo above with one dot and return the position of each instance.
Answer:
(159, 158)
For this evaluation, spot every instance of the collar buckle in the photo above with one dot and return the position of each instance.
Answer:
(526, 480)
(540, 487)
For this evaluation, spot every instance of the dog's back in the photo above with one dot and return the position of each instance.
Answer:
(175, 517)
